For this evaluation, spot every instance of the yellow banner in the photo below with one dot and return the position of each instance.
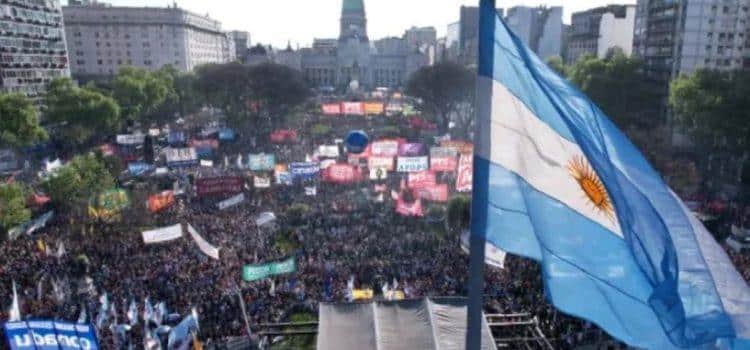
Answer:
(374, 108)
(362, 294)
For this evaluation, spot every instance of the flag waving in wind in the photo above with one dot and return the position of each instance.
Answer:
(556, 181)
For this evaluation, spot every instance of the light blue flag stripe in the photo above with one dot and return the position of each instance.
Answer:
(660, 250)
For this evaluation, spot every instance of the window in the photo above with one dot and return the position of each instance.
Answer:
(147, 62)
(99, 62)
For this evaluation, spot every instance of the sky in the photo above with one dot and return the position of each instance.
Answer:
(277, 22)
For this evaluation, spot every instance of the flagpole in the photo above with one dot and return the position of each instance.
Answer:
(244, 312)
(487, 18)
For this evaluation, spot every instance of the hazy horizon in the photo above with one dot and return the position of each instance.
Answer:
(272, 22)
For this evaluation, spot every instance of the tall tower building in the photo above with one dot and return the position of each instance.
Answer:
(353, 21)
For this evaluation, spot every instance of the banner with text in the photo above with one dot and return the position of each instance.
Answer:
(379, 162)
(410, 149)
(446, 164)
(50, 335)
(465, 173)
(230, 202)
(374, 108)
(384, 148)
(261, 162)
(215, 186)
(342, 173)
(163, 234)
(435, 193)
(203, 245)
(412, 164)
(181, 157)
(304, 171)
(422, 179)
(331, 108)
(353, 108)
(328, 151)
(258, 272)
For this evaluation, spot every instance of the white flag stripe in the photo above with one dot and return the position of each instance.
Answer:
(541, 155)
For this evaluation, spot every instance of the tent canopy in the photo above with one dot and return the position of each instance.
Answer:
(434, 323)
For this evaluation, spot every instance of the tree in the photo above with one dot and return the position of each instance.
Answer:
(19, 124)
(444, 90)
(13, 210)
(185, 99)
(84, 115)
(140, 92)
(557, 64)
(71, 186)
(277, 89)
(226, 86)
(714, 109)
(618, 86)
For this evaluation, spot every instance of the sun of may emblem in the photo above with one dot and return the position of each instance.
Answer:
(591, 185)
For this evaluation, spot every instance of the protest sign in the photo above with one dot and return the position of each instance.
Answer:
(160, 201)
(261, 181)
(465, 173)
(410, 149)
(362, 294)
(163, 234)
(261, 162)
(385, 148)
(434, 193)
(181, 157)
(422, 179)
(304, 171)
(379, 162)
(328, 151)
(218, 185)
(374, 108)
(230, 202)
(409, 209)
(353, 108)
(342, 173)
(50, 335)
(203, 245)
(446, 164)
(331, 108)
(130, 140)
(412, 164)
(378, 174)
(257, 272)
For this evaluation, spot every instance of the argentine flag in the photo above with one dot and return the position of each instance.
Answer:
(556, 181)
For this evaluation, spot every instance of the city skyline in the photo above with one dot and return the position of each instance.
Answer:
(268, 22)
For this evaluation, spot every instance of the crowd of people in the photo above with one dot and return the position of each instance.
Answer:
(64, 269)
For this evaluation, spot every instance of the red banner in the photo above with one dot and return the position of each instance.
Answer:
(219, 185)
(160, 201)
(437, 193)
(342, 173)
(463, 147)
(353, 108)
(409, 209)
(465, 173)
(331, 108)
(443, 163)
(284, 136)
(422, 179)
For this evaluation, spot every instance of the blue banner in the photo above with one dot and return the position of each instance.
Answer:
(50, 335)
(226, 134)
(176, 137)
(138, 168)
(304, 171)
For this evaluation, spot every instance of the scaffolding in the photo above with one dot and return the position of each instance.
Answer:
(517, 331)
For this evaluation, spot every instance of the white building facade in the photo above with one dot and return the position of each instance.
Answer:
(104, 38)
(541, 28)
(599, 30)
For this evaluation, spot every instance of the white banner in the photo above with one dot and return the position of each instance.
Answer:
(262, 182)
(162, 234)
(326, 163)
(378, 174)
(203, 245)
(181, 155)
(412, 164)
(328, 151)
(136, 139)
(207, 163)
(265, 218)
(230, 202)
(386, 148)
(311, 191)
(375, 162)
